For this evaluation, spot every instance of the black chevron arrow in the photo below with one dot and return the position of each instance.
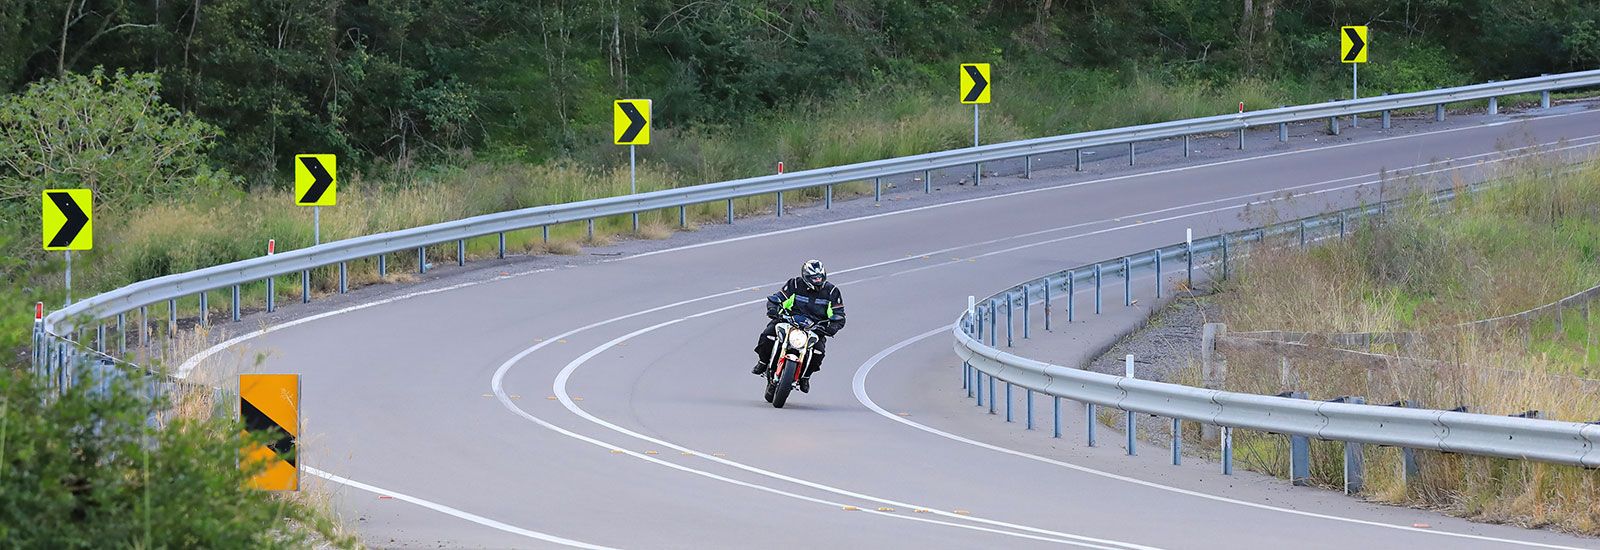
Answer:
(320, 179)
(76, 219)
(1356, 44)
(978, 83)
(636, 122)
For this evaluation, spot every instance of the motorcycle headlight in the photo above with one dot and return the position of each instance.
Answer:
(798, 339)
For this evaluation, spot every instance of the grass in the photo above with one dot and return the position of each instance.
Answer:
(1521, 245)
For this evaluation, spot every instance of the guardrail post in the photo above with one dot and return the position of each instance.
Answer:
(1008, 401)
(1158, 273)
(683, 217)
(991, 394)
(994, 318)
(1185, 146)
(1408, 456)
(730, 211)
(1241, 139)
(1354, 463)
(1177, 442)
(1072, 294)
(383, 263)
(591, 230)
(977, 173)
(205, 309)
(1027, 167)
(1438, 112)
(1225, 266)
(1188, 258)
(344, 269)
(978, 325)
(877, 189)
(927, 182)
(144, 331)
(1127, 282)
(305, 286)
(172, 319)
(978, 379)
(966, 377)
(1047, 304)
(544, 235)
(1027, 310)
(1494, 105)
(1030, 409)
(236, 303)
(422, 255)
(272, 302)
(1056, 413)
(1089, 415)
(1386, 124)
(1213, 371)
(1096, 289)
(100, 337)
(827, 197)
(1283, 132)
(122, 334)
(502, 254)
(1132, 426)
(1333, 125)
(1078, 155)
(1544, 99)
(1302, 234)
(1133, 153)
(779, 208)
(1299, 450)
(1227, 451)
(1343, 219)
(461, 251)
(1009, 319)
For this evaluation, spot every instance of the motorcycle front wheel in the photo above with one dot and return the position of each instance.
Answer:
(780, 391)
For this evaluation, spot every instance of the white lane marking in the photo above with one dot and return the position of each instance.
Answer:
(566, 400)
(858, 383)
(1103, 180)
(565, 374)
(505, 400)
(189, 365)
(192, 362)
(480, 520)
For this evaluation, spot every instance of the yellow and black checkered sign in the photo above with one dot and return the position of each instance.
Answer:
(1353, 44)
(974, 83)
(68, 220)
(316, 180)
(270, 404)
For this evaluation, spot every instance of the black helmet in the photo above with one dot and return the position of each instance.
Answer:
(813, 273)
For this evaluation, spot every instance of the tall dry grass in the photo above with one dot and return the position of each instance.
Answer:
(1528, 242)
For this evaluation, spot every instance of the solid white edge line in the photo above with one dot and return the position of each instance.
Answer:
(480, 520)
(858, 383)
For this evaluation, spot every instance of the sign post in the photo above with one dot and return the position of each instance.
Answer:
(630, 125)
(67, 224)
(316, 184)
(975, 91)
(1353, 51)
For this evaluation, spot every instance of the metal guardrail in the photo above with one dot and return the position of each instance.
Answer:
(171, 288)
(1571, 443)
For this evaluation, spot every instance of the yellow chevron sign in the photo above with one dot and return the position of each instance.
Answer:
(974, 83)
(1353, 44)
(270, 404)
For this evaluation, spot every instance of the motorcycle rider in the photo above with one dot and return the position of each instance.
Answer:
(810, 296)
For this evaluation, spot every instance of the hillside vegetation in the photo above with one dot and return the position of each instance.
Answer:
(1531, 241)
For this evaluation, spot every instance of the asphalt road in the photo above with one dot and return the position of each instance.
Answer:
(609, 404)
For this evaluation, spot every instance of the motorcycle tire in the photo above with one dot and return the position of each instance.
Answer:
(780, 393)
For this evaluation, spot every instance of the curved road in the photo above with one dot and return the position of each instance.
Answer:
(610, 405)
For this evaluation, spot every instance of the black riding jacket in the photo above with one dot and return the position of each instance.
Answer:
(821, 303)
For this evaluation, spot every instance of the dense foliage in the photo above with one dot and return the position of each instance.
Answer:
(403, 79)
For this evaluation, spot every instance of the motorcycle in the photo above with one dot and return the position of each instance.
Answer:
(791, 354)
